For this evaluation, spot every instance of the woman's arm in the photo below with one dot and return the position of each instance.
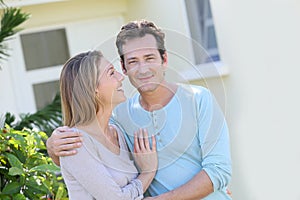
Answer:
(145, 157)
(92, 174)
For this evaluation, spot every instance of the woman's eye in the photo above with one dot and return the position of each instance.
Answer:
(112, 72)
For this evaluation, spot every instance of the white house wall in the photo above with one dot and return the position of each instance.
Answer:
(91, 25)
(259, 41)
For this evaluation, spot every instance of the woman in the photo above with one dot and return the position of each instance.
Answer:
(102, 169)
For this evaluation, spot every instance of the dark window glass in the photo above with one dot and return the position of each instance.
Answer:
(44, 93)
(45, 49)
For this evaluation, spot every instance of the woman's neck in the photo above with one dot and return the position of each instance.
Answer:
(101, 131)
(100, 123)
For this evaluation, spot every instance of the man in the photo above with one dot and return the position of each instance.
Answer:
(191, 133)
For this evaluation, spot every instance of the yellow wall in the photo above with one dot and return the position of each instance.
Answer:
(73, 10)
(260, 43)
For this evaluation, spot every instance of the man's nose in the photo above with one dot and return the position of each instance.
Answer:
(143, 67)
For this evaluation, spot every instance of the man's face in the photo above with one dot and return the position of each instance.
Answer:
(143, 63)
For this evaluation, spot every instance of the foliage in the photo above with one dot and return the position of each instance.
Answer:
(46, 119)
(10, 20)
(25, 172)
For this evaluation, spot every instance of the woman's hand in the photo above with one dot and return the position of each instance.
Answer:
(145, 156)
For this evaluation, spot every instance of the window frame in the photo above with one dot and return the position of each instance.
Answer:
(206, 70)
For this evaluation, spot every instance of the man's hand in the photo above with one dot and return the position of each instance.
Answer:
(63, 142)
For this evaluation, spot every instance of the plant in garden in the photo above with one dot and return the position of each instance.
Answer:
(45, 119)
(10, 20)
(25, 171)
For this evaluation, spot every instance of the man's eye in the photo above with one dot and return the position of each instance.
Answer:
(131, 62)
(150, 59)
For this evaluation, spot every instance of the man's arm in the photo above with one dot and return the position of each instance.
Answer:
(63, 142)
(214, 142)
(197, 188)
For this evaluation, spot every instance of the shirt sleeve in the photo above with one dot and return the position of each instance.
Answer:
(93, 176)
(214, 141)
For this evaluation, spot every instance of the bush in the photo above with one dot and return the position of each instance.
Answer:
(25, 171)
(45, 119)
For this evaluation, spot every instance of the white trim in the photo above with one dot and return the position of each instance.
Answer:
(18, 3)
(23, 80)
(207, 70)
(187, 27)
(38, 75)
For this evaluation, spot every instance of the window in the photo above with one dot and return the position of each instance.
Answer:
(39, 54)
(202, 31)
(44, 49)
(44, 52)
(44, 93)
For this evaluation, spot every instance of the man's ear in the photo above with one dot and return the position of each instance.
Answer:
(165, 59)
(124, 70)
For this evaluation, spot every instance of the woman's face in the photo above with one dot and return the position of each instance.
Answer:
(109, 89)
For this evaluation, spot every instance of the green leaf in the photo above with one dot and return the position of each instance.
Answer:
(14, 171)
(46, 119)
(14, 161)
(5, 197)
(34, 160)
(21, 155)
(40, 177)
(45, 168)
(36, 187)
(30, 194)
(19, 197)
(11, 19)
(61, 192)
(12, 188)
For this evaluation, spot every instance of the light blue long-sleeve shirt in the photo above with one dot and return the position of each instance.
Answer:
(191, 135)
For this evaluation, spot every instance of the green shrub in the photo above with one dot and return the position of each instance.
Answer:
(25, 170)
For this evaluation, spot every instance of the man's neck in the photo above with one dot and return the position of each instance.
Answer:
(159, 98)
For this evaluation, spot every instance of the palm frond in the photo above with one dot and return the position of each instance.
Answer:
(10, 21)
(46, 119)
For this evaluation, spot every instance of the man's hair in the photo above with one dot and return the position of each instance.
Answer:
(138, 29)
(78, 83)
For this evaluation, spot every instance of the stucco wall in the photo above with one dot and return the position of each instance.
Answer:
(259, 42)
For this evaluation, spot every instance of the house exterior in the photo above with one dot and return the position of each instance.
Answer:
(255, 77)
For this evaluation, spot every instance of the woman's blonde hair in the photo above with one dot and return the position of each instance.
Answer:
(78, 83)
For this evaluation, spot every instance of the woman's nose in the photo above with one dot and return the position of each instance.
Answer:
(120, 76)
